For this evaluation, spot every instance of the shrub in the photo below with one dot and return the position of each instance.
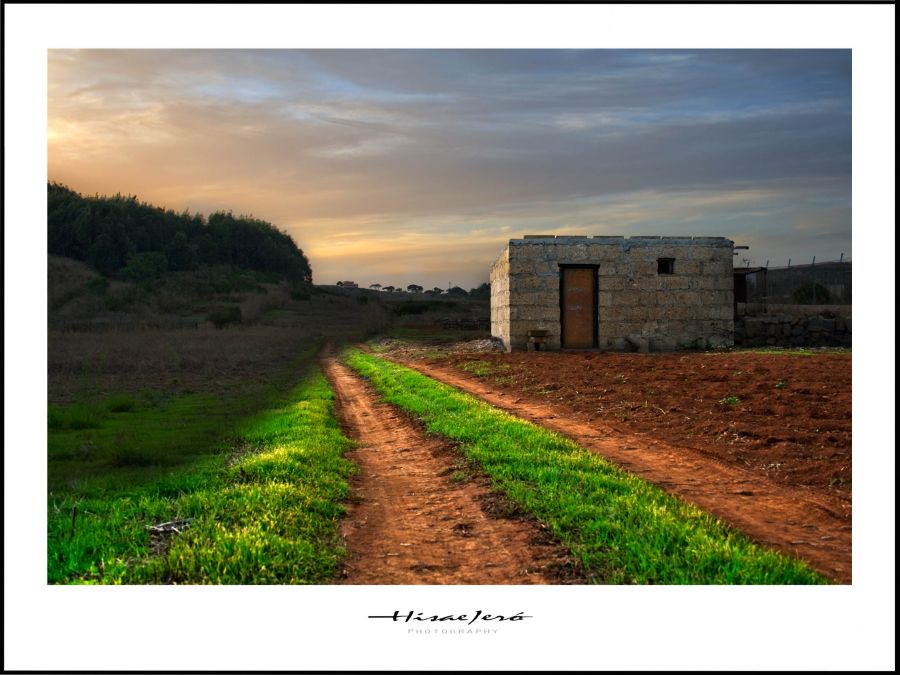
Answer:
(97, 284)
(145, 267)
(812, 293)
(223, 316)
(415, 307)
(119, 300)
(73, 417)
(118, 404)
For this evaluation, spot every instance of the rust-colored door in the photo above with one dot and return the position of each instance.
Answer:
(579, 307)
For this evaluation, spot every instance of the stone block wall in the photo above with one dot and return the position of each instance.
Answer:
(638, 308)
(500, 298)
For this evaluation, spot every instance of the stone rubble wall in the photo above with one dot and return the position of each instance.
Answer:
(638, 309)
(794, 326)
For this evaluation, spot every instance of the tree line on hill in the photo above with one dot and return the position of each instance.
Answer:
(482, 292)
(121, 236)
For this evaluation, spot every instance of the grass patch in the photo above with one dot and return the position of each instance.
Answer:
(87, 441)
(74, 417)
(121, 403)
(483, 368)
(621, 528)
(431, 335)
(260, 500)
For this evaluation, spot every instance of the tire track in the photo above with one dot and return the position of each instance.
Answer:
(418, 517)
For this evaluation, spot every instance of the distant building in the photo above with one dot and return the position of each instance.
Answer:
(348, 284)
(614, 293)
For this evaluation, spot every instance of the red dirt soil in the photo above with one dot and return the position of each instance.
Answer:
(420, 516)
(797, 433)
(776, 465)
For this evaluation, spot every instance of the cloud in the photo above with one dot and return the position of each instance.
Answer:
(451, 152)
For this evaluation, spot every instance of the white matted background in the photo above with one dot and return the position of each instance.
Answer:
(325, 628)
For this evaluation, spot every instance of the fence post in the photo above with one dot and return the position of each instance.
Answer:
(814, 280)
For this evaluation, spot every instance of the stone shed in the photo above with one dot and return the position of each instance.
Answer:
(614, 293)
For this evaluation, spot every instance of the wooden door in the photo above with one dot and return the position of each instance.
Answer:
(579, 307)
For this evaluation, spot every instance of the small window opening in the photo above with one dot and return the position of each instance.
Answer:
(665, 266)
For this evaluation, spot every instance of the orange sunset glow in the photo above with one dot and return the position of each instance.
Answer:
(405, 166)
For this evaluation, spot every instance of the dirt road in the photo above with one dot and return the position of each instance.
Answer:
(419, 516)
(786, 518)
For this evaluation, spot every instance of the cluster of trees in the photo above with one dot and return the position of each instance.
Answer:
(482, 292)
(121, 236)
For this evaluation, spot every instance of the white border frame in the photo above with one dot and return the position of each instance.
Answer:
(324, 628)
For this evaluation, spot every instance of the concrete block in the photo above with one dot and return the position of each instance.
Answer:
(521, 266)
(715, 268)
(546, 268)
(645, 267)
(665, 298)
(673, 283)
(529, 282)
(550, 251)
(575, 253)
(603, 252)
(531, 252)
(623, 298)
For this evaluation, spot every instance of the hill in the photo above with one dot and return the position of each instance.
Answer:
(121, 237)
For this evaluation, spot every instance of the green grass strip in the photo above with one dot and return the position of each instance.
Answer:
(268, 516)
(620, 527)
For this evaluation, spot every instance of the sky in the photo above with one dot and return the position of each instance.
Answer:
(416, 166)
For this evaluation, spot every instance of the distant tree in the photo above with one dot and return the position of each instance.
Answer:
(414, 288)
(437, 291)
(457, 291)
(104, 255)
(207, 252)
(180, 254)
(375, 287)
(389, 289)
(340, 283)
(482, 292)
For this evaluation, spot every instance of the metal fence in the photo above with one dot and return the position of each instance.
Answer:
(827, 283)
